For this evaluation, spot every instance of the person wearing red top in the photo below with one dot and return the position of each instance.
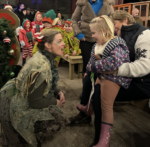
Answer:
(37, 25)
(26, 39)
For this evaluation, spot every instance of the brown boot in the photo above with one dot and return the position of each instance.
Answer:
(80, 118)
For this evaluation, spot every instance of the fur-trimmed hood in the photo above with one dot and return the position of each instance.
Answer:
(83, 2)
(84, 11)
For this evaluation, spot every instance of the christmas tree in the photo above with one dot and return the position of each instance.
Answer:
(7, 53)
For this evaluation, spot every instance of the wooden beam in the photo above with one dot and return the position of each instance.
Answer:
(118, 2)
(73, 5)
(18, 1)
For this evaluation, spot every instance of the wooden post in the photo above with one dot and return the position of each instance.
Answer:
(118, 2)
(73, 5)
(80, 68)
(71, 71)
(56, 6)
(18, 1)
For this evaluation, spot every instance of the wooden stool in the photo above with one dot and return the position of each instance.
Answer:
(74, 60)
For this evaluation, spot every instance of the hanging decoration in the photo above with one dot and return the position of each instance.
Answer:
(6, 40)
(11, 52)
(5, 32)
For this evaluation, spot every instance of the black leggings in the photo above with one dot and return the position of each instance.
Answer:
(132, 93)
(87, 86)
(86, 48)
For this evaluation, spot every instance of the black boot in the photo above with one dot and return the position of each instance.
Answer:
(80, 118)
(23, 62)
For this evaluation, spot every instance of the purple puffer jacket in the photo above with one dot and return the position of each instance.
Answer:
(115, 54)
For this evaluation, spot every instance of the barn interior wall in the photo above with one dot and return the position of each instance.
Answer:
(11, 2)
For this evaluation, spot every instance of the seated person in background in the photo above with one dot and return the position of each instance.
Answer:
(37, 23)
(71, 42)
(58, 22)
(8, 7)
(60, 17)
(135, 14)
(23, 16)
(56, 26)
(18, 10)
(29, 15)
(47, 23)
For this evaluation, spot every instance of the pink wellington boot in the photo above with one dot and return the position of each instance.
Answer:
(104, 135)
(85, 109)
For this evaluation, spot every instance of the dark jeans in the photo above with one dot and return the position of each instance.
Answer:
(86, 48)
(132, 93)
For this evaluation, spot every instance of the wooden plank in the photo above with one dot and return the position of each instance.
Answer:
(132, 125)
(80, 68)
(75, 61)
(71, 71)
(75, 57)
(137, 117)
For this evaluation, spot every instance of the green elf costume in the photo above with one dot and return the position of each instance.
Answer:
(71, 42)
(62, 30)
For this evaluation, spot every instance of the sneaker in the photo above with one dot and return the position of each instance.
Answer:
(80, 118)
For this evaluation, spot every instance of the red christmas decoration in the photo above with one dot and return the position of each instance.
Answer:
(6, 40)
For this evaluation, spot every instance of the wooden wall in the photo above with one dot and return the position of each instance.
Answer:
(11, 2)
(64, 6)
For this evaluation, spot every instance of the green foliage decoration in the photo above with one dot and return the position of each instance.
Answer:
(6, 70)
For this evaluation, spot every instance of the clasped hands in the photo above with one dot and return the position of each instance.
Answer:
(61, 100)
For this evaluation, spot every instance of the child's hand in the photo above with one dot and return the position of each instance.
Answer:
(85, 75)
(97, 58)
(66, 56)
(74, 53)
(90, 67)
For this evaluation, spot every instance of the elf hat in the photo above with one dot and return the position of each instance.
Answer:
(49, 16)
(24, 23)
(8, 6)
(37, 13)
(68, 21)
